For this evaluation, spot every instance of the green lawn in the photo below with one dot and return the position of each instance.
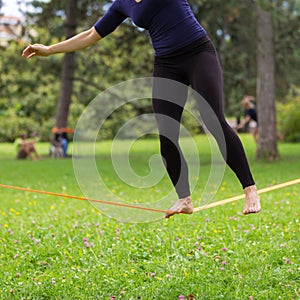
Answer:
(58, 248)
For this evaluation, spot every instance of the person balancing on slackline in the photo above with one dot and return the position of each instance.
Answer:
(184, 53)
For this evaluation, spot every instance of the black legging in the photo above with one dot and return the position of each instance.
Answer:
(196, 65)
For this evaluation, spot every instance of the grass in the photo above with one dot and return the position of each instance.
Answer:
(56, 248)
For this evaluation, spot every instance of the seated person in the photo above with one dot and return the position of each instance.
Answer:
(61, 138)
(26, 148)
(56, 150)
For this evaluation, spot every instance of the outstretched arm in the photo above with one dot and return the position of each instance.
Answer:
(77, 42)
(244, 122)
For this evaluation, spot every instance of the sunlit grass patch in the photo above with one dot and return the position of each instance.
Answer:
(56, 248)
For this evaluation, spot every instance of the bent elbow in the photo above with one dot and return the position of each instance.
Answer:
(94, 35)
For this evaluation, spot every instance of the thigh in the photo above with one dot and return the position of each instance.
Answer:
(22, 154)
(169, 95)
(206, 79)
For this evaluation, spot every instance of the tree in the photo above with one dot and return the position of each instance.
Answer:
(68, 67)
(127, 54)
(27, 100)
(231, 26)
(287, 44)
(267, 142)
(65, 17)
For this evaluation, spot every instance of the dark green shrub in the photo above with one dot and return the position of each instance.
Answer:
(288, 116)
(11, 127)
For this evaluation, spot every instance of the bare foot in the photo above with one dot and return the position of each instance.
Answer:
(183, 205)
(252, 201)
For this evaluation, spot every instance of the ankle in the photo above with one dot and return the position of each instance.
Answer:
(249, 189)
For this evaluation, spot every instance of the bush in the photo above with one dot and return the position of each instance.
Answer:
(12, 126)
(288, 116)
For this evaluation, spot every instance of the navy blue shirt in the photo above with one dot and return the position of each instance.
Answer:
(170, 23)
(251, 112)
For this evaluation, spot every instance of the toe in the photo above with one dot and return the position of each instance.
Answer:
(252, 209)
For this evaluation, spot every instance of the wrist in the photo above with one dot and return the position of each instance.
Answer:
(50, 50)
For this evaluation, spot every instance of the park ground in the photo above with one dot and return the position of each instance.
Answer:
(58, 248)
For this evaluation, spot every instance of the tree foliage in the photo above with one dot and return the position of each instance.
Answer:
(31, 89)
(289, 115)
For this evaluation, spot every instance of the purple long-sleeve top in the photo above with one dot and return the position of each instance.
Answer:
(170, 23)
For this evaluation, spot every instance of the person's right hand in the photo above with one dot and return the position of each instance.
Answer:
(35, 50)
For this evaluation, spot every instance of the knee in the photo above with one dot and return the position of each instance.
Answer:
(217, 126)
(168, 145)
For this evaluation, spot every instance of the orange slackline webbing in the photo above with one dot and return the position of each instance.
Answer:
(197, 209)
(80, 198)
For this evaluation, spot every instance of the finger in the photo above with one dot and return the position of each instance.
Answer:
(27, 48)
(27, 51)
(31, 55)
(25, 55)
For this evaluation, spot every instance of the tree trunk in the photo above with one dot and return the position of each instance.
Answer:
(68, 68)
(267, 142)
